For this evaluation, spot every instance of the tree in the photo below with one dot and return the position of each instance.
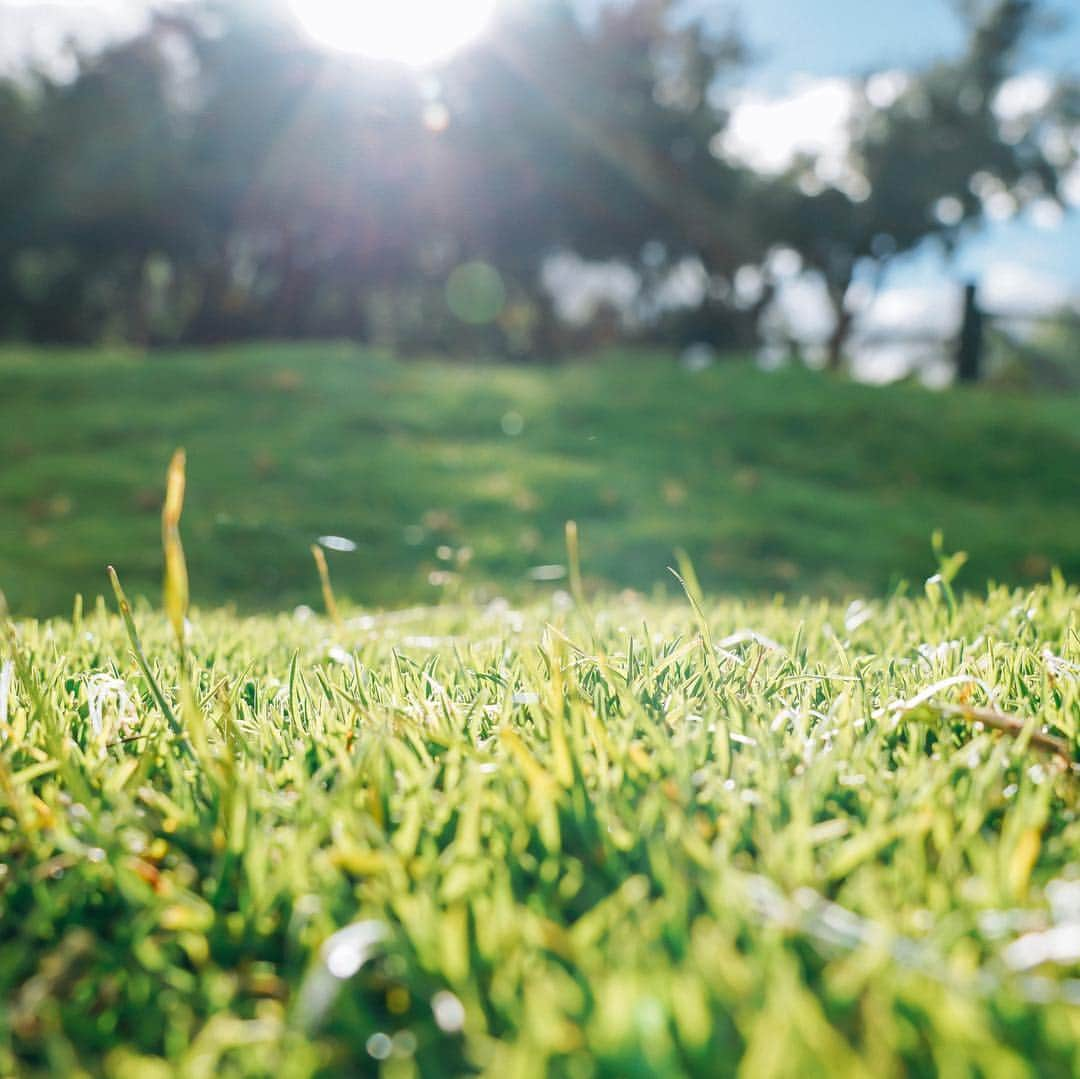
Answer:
(217, 176)
(930, 164)
(590, 138)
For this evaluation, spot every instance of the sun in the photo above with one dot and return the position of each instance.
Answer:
(414, 32)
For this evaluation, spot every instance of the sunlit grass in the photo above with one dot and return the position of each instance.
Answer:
(577, 834)
(631, 838)
(788, 481)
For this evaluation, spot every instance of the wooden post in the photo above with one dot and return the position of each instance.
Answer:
(969, 351)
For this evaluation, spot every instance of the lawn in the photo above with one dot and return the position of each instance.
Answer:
(585, 839)
(542, 827)
(461, 477)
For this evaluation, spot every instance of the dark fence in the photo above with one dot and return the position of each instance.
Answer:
(979, 326)
(983, 330)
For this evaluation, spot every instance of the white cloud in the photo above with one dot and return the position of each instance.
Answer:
(1046, 214)
(904, 328)
(930, 310)
(1000, 206)
(579, 287)
(801, 310)
(685, 286)
(884, 87)
(1070, 186)
(45, 6)
(1022, 95)
(1016, 287)
(35, 30)
(769, 133)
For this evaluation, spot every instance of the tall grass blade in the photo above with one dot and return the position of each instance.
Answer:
(573, 557)
(176, 591)
(329, 601)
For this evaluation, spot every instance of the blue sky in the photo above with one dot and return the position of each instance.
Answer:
(798, 40)
(839, 37)
(843, 37)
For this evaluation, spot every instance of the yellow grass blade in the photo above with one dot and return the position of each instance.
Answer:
(573, 555)
(324, 578)
(176, 594)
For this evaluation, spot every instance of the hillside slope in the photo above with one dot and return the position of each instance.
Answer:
(786, 481)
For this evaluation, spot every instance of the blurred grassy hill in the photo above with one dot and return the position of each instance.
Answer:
(789, 481)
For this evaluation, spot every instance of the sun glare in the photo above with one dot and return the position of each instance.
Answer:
(415, 32)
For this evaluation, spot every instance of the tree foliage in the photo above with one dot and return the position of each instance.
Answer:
(929, 163)
(217, 177)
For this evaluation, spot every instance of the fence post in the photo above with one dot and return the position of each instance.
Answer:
(969, 351)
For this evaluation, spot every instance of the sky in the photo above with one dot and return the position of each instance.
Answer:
(801, 40)
(795, 96)
(840, 37)
(803, 47)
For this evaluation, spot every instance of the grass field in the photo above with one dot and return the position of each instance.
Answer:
(619, 839)
(465, 475)
(538, 828)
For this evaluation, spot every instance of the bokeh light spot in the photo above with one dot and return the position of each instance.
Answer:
(475, 293)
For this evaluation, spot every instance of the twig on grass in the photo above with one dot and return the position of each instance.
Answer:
(1009, 724)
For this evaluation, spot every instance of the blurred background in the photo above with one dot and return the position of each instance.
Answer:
(425, 279)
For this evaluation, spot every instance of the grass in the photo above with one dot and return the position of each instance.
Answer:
(446, 476)
(541, 832)
(596, 838)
